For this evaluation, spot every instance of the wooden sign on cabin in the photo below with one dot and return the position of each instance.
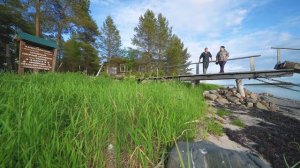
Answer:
(36, 53)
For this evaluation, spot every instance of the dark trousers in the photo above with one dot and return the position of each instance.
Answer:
(222, 65)
(205, 67)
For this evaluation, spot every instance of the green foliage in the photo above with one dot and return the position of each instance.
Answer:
(176, 55)
(159, 47)
(14, 16)
(80, 56)
(58, 17)
(209, 86)
(238, 122)
(146, 33)
(214, 127)
(69, 120)
(110, 40)
(223, 112)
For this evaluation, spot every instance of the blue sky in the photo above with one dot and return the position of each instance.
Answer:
(244, 27)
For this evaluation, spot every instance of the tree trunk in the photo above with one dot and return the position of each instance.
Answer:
(8, 56)
(37, 18)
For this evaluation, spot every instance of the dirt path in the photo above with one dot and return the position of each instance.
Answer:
(273, 135)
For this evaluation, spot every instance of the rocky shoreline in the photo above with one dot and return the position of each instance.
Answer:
(272, 124)
(227, 96)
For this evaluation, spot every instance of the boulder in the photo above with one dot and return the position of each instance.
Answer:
(249, 104)
(220, 119)
(213, 92)
(261, 106)
(250, 100)
(205, 93)
(229, 94)
(222, 101)
(211, 97)
(238, 103)
(233, 99)
(273, 107)
(238, 95)
(253, 96)
(204, 154)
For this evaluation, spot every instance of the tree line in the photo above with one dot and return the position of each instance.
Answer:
(82, 45)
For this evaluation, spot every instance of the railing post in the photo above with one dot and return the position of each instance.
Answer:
(197, 68)
(197, 72)
(252, 64)
(278, 56)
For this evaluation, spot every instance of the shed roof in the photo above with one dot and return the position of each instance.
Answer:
(38, 40)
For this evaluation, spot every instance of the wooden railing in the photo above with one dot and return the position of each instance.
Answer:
(251, 61)
(279, 52)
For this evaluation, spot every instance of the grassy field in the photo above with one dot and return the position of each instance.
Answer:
(70, 120)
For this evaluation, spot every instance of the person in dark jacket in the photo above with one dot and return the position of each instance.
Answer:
(221, 58)
(205, 56)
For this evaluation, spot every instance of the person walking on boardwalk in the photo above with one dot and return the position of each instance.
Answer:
(205, 56)
(221, 58)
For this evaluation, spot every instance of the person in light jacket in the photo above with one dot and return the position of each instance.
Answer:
(205, 56)
(221, 58)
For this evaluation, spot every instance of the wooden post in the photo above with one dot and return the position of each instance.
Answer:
(197, 73)
(197, 68)
(54, 59)
(20, 69)
(278, 56)
(193, 84)
(240, 87)
(252, 65)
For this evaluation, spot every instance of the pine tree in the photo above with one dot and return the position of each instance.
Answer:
(164, 34)
(146, 36)
(110, 40)
(14, 17)
(80, 56)
(72, 55)
(177, 55)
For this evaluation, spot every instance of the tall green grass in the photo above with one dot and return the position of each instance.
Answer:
(69, 120)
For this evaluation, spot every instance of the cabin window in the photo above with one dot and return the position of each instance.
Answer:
(122, 68)
(142, 68)
(112, 70)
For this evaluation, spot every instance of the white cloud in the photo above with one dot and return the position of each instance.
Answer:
(188, 18)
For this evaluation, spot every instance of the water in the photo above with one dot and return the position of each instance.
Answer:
(276, 91)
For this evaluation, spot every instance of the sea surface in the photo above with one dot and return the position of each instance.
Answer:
(276, 91)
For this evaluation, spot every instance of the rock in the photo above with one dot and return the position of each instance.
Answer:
(265, 103)
(222, 101)
(253, 96)
(261, 106)
(249, 104)
(273, 107)
(211, 97)
(238, 103)
(205, 93)
(233, 99)
(251, 100)
(213, 92)
(220, 119)
(228, 94)
(238, 95)
(205, 154)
